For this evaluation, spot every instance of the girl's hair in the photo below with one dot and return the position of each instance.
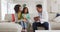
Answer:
(24, 10)
(16, 8)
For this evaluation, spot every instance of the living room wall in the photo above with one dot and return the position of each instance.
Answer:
(0, 9)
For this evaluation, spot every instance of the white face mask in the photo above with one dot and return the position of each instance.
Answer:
(20, 8)
(38, 21)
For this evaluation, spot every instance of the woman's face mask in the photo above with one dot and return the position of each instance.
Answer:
(20, 8)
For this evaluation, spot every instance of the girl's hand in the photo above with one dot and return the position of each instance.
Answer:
(24, 19)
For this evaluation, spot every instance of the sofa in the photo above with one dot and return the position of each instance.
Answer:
(10, 27)
(54, 21)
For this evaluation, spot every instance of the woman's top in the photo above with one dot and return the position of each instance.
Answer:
(19, 15)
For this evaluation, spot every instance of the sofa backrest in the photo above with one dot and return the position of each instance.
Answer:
(52, 16)
(10, 17)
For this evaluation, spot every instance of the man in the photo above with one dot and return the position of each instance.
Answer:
(43, 17)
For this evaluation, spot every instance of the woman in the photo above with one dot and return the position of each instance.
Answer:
(25, 13)
(18, 14)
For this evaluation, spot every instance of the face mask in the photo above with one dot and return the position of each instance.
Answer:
(20, 8)
(38, 21)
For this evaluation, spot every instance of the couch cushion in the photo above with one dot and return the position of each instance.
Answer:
(57, 19)
(10, 27)
(41, 28)
(55, 25)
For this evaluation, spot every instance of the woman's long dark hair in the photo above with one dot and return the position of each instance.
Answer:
(16, 8)
(24, 10)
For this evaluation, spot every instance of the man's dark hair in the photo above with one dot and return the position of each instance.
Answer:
(39, 5)
(16, 8)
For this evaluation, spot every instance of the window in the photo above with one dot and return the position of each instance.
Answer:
(3, 8)
(6, 8)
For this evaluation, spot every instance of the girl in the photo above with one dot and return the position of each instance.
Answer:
(26, 18)
(25, 13)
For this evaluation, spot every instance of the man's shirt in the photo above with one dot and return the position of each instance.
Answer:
(43, 17)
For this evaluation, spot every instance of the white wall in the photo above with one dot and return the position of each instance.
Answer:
(0, 9)
(30, 4)
(53, 6)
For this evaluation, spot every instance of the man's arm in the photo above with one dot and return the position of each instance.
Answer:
(44, 16)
